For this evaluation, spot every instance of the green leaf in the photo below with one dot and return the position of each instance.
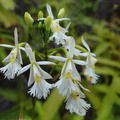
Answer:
(105, 70)
(9, 94)
(105, 111)
(6, 17)
(11, 114)
(106, 61)
(8, 4)
(52, 105)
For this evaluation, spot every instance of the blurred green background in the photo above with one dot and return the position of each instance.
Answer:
(99, 22)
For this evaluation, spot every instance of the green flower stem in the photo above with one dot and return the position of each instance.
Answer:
(65, 51)
(34, 38)
(53, 51)
(46, 51)
(33, 110)
(40, 55)
(20, 85)
(80, 48)
(46, 42)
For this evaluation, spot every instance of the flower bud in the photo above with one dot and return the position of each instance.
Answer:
(40, 14)
(28, 19)
(61, 13)
(48, 22)
(40, 25)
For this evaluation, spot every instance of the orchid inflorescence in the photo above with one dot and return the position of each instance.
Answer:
(69, 81)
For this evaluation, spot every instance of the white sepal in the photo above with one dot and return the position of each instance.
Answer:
(85, 44)
(23, 69)
(58, 58)
(49, 11)
(45, 63)
(79, 62)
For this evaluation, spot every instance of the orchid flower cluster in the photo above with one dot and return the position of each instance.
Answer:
(68, 84)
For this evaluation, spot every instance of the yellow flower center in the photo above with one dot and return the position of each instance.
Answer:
(75, 95)
(12, 60)
(57, 29)
(67, 75)
(93, 67)
(37, 79)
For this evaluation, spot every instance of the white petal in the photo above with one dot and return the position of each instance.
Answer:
(44, 74)
(93, 54)
(41, 19)
(85, 44)
(7, 59)
(22, 48)
(67, 27)
(61, 19)
(71, 47)
(83, 87)
(84, 54)
(29, 53)
(24, 69)
(77, 52)
(5, 45)
(16, 36)
(63, 69)
(19, 57)
(58, 58)
(31, 77)
(79, 62)
(45, 63)
(49, 11)
(75, 74)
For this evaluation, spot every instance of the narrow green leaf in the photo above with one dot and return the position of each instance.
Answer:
(52, 105)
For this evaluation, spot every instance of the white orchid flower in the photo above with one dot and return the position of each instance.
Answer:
(58, 31)
(68, 44)
(40, 88)
(69, 75)
(75, 103)
(90, 63)
(14, 58)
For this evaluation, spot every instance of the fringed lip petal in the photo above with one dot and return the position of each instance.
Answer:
(23, 69)
(85, 44)
(45, 63)
(58, 58)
